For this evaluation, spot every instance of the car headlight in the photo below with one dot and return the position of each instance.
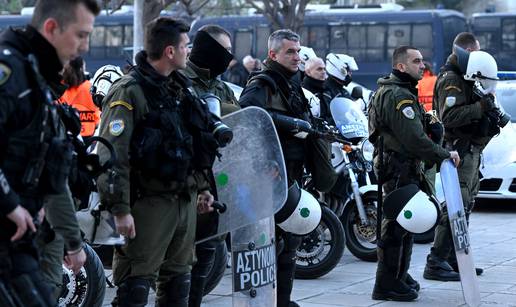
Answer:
(367, 149)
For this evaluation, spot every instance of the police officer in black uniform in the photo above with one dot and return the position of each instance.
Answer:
(277, 89)
(35, 154)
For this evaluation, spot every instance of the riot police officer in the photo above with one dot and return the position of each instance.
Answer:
(36, 154)
(158, 182)
(209, 58)
(462, 113)
(277, 88)
(396, 116)
(315, 74)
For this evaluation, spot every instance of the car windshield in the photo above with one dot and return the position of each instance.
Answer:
(506, 95)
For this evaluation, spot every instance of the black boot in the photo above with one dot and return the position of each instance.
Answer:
(388, 286)
(133, 292)
(439, 269)
(175, 292)
(286, 269)
(411, 282)
(453, 263)
(205, 253)
(408, 242)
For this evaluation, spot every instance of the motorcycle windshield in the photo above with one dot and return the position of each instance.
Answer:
(349, 118)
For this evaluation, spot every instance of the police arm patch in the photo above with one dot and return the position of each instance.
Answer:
(408, 112)
(452, 87)
(5, 73)
(121, 103)
(450, 101)
(404, 102)
(116, 127)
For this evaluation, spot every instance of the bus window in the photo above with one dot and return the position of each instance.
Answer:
(488, 40)
(128, 35)
(262, 35)
(375, 43)
(356, 42)
(318, 39)
(397, 35)
(114, 41)
(451, 27)
(509, 34)
(422, 39)
(97, 42)
(244, 45)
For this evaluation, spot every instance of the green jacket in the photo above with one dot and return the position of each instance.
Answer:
(123, 108)
(202, 84)
(396, 115)
(456, 108)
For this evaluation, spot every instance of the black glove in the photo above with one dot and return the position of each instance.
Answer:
(487, 102)
(436, 132)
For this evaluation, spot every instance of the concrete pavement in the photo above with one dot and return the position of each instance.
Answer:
(493, 236)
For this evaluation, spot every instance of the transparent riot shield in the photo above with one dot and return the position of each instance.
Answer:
(459, 230)
(250, 173)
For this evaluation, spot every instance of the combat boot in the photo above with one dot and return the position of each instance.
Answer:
(411, 282)
(439, 269)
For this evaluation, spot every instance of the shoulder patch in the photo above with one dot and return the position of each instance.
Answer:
(450, 101)
(404, 102)
(121, 103)
(5, 73)
(408, 112)
(116, 127)
(452, 87)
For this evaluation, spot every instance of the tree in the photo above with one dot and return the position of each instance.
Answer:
(282, 13)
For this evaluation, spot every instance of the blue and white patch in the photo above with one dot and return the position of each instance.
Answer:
(408, 112)
(116, 127)
(450, 101)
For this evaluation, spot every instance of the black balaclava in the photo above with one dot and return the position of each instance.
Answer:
(209, 54)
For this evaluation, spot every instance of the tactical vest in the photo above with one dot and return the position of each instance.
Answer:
(161, 146)
(38, 157)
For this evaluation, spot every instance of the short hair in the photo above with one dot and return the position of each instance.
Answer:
(312, 61)
(162, 32)
(465, 40)
(276, 38)
(73, 73)
(63, 11)
(400, 54)
(215, 30)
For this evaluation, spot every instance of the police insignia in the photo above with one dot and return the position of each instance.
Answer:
(5, 73)
(116, 127)
(409, 112)
(450, 101)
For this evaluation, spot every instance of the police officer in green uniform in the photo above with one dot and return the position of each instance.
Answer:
(156, 187)
(461, 112)
(396, 116)
(277, 88)
(35, 151)
(209, 58)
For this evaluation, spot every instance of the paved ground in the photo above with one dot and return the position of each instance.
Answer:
(493, 235)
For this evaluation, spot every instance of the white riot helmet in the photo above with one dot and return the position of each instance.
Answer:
(338, 65)
(413, 209)
(482, 67)
(313, 101)
(305, 54)
(102, 80)
(301, 213)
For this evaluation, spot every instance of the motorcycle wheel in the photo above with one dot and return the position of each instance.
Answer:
(86, 289)
(425, 237)
(219, 267)
(361, 240)
(321, 250)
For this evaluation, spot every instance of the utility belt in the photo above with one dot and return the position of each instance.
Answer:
(400, 166)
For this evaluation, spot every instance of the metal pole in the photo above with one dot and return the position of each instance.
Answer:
(137, 27)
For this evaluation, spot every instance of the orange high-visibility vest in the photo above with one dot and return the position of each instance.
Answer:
(79, 97)
(425, 88)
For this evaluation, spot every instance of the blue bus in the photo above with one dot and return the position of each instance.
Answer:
(370, 37)
(496, 33)
(111, 41)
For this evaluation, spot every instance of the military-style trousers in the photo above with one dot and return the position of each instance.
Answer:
(469, 185)
(164, 243)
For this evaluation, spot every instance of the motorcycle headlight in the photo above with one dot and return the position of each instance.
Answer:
(367, 150)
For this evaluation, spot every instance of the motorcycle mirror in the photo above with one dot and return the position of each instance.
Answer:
(357, 93)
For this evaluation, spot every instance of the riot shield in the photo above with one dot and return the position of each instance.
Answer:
(250, 174)
(459, 230)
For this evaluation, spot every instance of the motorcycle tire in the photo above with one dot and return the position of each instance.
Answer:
(361, 240)
(219, 267)
(88, 287)
(313, 245)
(425, 237)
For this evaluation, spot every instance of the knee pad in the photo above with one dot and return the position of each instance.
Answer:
(133, 292)
(175, 292)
